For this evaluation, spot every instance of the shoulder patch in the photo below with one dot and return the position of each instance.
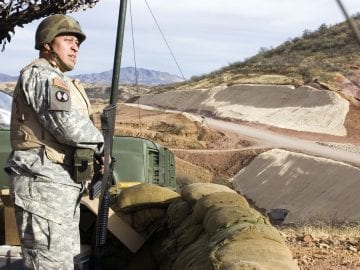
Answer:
(60, 99)
(59, 84)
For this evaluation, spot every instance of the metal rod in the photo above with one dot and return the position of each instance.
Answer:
(118, 53)
(350, 20)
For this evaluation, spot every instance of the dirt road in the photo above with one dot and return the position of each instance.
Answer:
(282, 141)
(272, 139)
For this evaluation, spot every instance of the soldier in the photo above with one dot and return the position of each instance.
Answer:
(53, 142)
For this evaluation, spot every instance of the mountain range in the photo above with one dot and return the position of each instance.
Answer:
(127, 76)
(7, 78)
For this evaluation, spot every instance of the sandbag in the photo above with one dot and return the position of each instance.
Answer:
(144, 195)
(218, 218)
(147, 219)
(193, 192)
(177, 212)
(251, 251)
(195, 256)
(219, 199)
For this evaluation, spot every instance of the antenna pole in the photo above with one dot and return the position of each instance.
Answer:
(118, 52)
(350, 20)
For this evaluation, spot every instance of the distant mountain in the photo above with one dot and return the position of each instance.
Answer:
(127, 76)
(7, 78)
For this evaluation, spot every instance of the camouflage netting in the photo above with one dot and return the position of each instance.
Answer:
(208, 227)
(19, 12)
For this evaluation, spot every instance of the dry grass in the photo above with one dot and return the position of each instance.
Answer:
(187, 173)
(343, 231)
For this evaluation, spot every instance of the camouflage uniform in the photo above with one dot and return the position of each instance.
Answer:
(45, 196)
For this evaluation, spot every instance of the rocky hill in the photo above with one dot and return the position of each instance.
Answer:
(328, 58)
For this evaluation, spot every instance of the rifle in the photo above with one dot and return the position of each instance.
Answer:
(108, 125)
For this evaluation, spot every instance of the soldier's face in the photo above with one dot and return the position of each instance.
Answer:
(67, 48)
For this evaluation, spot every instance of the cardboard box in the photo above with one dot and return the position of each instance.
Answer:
(118, 227)
(11, 232)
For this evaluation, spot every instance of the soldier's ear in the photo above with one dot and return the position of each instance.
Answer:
(47, 46)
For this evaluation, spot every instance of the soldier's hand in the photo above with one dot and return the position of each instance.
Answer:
(102, 166)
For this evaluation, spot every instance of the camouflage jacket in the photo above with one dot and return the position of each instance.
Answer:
(42, 88)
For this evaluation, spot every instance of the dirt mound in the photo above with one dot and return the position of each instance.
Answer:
(222, 164)
(303, 108)
(188, 173)
(309, 188)
(173, 130)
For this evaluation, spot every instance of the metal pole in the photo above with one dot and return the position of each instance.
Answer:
(118, 52)
(350, 20)
(108, 126)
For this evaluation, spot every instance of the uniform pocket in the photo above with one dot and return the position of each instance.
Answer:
(41, 189)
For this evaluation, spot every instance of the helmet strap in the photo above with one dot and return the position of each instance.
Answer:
(61, 64)
(56, 61)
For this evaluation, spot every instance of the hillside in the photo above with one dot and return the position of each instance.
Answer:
(328, 58)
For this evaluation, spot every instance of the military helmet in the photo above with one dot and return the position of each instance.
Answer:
(55, 25)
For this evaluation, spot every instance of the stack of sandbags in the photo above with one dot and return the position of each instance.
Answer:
(208, 227)
(212, 227)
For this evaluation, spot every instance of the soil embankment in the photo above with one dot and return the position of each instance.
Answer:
(302, 109)
(309, 188)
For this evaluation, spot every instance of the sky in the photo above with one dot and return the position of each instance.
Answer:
(204, 35)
